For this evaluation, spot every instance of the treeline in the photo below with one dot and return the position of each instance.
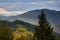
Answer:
(6, 33)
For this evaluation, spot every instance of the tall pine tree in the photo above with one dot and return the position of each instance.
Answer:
(44, 31)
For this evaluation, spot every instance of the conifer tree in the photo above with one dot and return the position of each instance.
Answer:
(44, 31)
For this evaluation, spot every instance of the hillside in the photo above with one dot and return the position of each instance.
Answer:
(31, 17)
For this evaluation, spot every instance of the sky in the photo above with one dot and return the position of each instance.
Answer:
(15, 7)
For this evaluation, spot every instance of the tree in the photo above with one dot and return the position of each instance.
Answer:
(44, 31)
(6, 32)
(21, 38)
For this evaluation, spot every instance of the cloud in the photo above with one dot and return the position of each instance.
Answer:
(9, 5)
(10, 13)
(30, 5)
(50, 4)
(43, 3)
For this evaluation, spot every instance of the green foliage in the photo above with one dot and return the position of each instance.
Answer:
(44, 31)
(6, 32)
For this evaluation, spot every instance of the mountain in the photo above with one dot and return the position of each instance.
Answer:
(28, 26)
(3, 17)
(31, 17)
(6, 23)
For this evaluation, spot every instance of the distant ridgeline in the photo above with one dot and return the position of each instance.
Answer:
(14, 24)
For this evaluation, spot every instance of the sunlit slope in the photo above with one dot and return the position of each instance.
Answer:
(22, 31)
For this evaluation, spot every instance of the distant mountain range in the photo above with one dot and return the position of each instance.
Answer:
(31, 17)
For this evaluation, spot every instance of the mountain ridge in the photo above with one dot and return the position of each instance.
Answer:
(31, 17)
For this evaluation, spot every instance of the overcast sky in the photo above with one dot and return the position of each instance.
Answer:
(15, 7)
